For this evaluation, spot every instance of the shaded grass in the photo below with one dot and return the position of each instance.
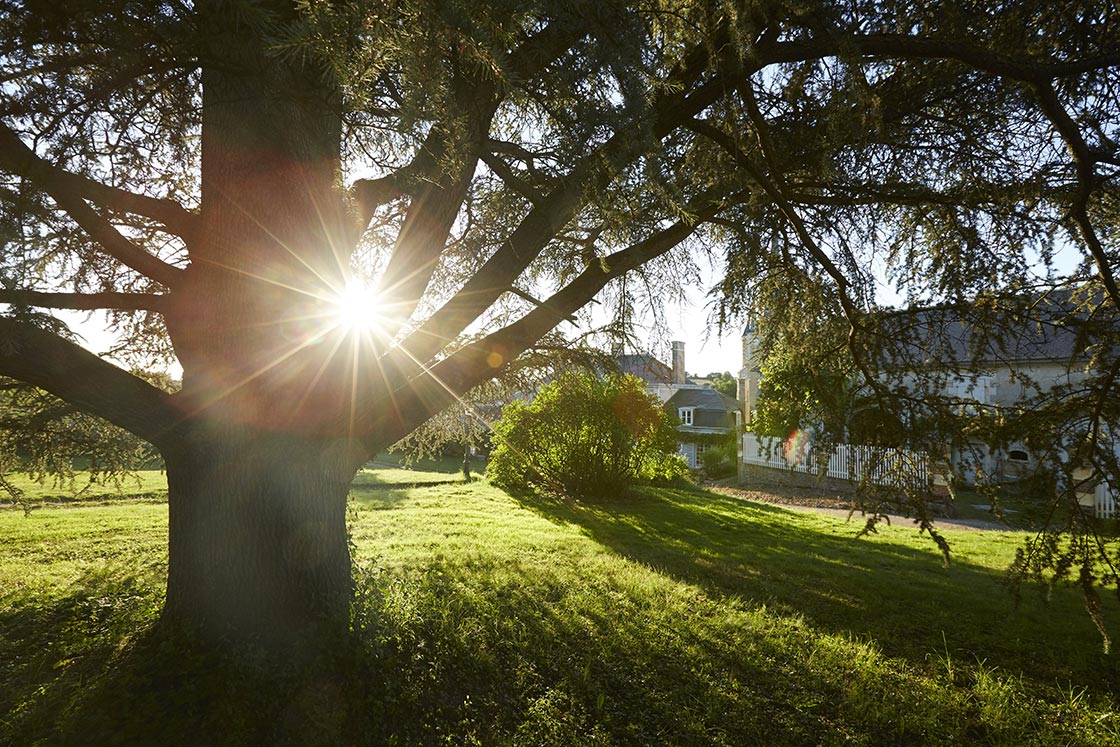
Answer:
(380, 478)
(678, 617)
(390, 470)
(893, 586)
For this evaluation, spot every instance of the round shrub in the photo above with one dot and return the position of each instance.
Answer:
(585, 437)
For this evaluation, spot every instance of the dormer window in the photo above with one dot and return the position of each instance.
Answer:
(685, 415)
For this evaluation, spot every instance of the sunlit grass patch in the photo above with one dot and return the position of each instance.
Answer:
(148, 484)
(673, 617)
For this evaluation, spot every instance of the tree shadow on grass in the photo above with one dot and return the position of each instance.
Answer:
(94, 665)
(505, 645)
(902, 596)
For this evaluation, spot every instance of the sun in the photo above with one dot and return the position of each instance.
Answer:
(356, 309)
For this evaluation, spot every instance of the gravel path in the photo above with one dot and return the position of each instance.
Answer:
(800, 499)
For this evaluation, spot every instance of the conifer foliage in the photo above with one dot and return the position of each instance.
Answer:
(339, 217)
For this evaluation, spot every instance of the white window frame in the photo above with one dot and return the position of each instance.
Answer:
(686, 415)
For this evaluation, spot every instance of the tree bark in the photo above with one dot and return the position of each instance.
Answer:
(258, 549)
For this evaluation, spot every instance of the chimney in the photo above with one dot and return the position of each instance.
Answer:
(678, 362)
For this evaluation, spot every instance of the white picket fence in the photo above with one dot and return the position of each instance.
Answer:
(1105, 503)
(878, 465)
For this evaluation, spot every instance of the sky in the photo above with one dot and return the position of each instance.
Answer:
(705, 351)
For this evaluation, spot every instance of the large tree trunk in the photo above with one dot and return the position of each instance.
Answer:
(258, 473)
(258, 543)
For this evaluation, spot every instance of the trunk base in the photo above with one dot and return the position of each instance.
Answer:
(258, 549)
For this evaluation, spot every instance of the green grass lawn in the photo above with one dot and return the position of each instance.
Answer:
(148, 483)
(151, 484)
(676, 617)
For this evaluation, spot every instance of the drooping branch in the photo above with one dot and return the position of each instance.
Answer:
(1084, 163)
(86, 301)
(69, 196)
(775, 186)
(22, 161)
(77, 376)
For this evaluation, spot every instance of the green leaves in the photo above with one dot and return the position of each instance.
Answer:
(584, 437)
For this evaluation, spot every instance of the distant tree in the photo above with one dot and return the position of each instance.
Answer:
(585, 437)
(724, 383)
(236, 181)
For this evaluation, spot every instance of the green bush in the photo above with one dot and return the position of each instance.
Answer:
(719, 461)
(585, 437)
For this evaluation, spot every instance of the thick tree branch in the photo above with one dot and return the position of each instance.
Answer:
(432, 212)
(433, 389)
(519, 152)
(370, 194)
(22, 161)
(68, 195)
(74, 374)
(546, 46)
(511, 179)
(436, 203)
(548, 216)
(525, 62)
(86, 301)
(903, 46)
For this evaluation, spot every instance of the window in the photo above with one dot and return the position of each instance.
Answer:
(685, 414)
(1018, 455)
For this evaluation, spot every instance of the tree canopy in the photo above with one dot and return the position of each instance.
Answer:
(222, 177)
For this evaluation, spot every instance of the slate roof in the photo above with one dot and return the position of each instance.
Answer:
(946, 336)
(713, 409)
(645, 367)
(704, 399)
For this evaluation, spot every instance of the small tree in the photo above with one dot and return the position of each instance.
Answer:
(585, 437)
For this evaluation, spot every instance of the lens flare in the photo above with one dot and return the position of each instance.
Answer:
(796, 447)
